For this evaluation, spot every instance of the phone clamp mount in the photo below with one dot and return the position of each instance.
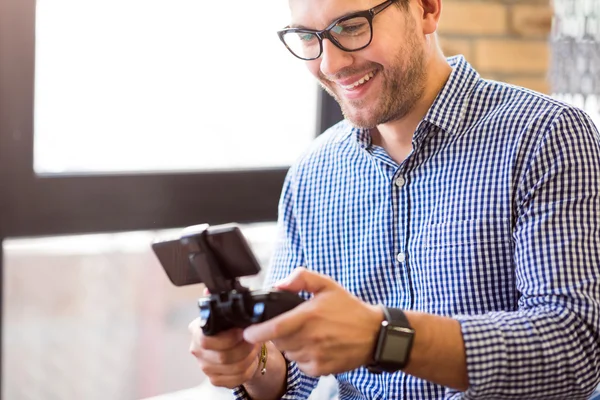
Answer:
(230, 304)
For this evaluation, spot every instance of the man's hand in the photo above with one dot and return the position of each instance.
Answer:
(333, 332)
(226, 359)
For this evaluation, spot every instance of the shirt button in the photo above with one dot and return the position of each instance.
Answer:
(400, 182)
(400, 257)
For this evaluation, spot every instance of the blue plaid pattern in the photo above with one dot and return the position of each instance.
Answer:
(493, 219)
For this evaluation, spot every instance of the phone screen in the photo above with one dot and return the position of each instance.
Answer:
(228, 245)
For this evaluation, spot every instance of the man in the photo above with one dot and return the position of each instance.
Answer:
(449, 229)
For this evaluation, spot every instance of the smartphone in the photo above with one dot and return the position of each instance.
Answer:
(228, 246)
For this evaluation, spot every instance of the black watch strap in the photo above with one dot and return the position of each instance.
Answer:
(396, 316)
(393, 317)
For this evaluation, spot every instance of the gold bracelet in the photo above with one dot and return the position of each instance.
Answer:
(262, 359)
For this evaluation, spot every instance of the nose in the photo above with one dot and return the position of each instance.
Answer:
(334, 59)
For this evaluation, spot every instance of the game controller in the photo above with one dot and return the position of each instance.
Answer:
(242, 309)
(218, 256)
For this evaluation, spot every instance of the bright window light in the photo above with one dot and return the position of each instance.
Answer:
(167, 85)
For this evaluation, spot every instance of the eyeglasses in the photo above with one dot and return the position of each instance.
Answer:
(352, 32)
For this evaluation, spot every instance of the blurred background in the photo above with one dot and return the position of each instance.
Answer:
(123, 121)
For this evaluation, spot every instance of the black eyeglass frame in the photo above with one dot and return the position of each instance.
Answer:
(325, 33)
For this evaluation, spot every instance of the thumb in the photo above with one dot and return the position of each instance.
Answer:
(302, 279)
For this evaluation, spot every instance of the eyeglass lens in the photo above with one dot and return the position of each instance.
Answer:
(350, 34)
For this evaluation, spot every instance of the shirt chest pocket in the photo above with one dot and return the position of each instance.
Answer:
(467, 266)
(481, 232)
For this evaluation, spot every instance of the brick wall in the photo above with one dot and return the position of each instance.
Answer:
(506, 40)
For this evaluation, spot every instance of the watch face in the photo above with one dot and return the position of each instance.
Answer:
(397, 345)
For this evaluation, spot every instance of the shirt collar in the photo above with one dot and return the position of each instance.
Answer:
(448, 108)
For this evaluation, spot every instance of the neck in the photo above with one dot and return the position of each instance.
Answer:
(396, 136)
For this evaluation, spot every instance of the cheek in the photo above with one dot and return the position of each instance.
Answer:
(380, 54)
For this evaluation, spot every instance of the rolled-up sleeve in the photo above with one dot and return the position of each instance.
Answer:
(549, 347)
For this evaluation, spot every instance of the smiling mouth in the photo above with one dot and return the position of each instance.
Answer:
(360, 82)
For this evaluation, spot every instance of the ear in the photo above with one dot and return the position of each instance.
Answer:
(430, 15)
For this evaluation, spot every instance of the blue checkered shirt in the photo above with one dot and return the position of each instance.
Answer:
(493, 219)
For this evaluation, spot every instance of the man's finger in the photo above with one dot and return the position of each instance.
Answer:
(194, 324)
(278, 327)
(223, 341)
(237, 354)
(292, 345)
(302, 279)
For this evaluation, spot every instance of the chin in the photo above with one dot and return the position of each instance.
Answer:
(357, 113)
(360, 118)
(360, 122)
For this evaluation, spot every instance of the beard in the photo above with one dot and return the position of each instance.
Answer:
(402, 86)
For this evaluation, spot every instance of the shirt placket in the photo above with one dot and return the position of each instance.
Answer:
(400, 204)
(403, 216)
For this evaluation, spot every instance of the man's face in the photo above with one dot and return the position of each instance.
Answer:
(391, 68)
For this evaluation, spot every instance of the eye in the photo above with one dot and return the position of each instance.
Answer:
(306, 37)
(352, 27)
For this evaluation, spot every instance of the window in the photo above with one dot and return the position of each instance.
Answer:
(71, 75)
(97, 161)
(167, 85)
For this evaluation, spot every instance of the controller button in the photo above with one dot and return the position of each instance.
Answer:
(259, 309)
(204, 314)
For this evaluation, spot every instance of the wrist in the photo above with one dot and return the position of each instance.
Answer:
(263, 359)
(377, 316)
(273, 381)
(394, 342)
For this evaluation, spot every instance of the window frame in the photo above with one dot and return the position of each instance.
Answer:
(37, 205)
(45, 205)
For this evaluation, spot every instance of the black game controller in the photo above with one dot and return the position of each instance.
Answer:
(217, 256)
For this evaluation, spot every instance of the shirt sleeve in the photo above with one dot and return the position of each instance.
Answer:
(549, 347)
(287, 256)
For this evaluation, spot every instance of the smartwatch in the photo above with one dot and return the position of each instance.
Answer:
(394, 342)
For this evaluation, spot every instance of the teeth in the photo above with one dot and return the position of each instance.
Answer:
(360, 81)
